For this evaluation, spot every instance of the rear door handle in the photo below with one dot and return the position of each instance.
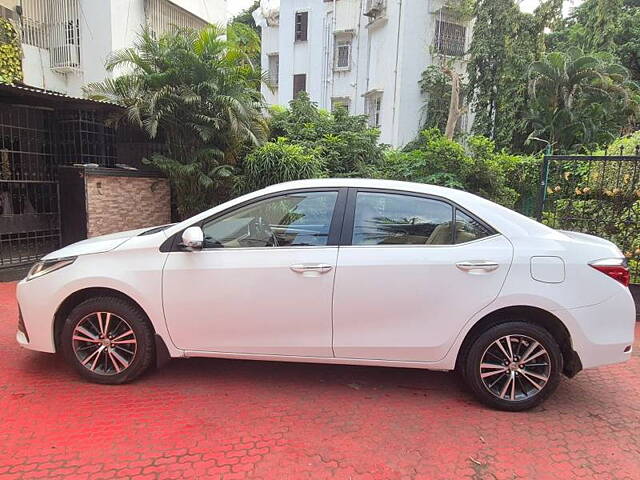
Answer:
(475, 265)
(311, 267)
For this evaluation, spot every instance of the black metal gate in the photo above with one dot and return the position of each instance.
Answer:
(29, 213)
(599, 195)
(34, 141)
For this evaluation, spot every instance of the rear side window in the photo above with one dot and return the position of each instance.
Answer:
(392, 219)
(469, 229)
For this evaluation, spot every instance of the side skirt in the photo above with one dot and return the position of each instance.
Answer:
(328, 360)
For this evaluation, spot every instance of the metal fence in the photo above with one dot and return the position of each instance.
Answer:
(595, 194)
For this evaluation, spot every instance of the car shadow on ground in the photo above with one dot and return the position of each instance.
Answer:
(437, 389)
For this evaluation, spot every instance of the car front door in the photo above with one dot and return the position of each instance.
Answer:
(263, 281)
(412, 270)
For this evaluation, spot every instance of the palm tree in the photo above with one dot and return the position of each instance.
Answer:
(200, 92)
(577, 99)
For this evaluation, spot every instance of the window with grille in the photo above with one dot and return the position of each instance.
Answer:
(299, 84)
(450, 38)
(302, 25)
(340, 102)
(54, 25)
(374, 108)
(343, 55)
(274, 69)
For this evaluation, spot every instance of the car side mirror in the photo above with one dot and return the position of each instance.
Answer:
(192, 238)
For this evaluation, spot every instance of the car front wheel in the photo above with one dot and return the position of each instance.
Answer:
(513, 366)
(108, 340)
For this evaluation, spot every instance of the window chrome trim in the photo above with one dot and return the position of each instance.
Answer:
(172, 243)
(494, 235)
(348, 224)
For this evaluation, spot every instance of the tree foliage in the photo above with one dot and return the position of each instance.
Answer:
(198, 92)
(246, 16)
(505, 42)
(611, 26)
(580, 101)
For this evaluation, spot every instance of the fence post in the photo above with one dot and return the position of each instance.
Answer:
(544, 177)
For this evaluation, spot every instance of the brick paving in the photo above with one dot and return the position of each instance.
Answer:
(208, 418)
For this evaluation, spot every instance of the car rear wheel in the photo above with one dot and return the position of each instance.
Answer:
(108, 340)
(513, 366)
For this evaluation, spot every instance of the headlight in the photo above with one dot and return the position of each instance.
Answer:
(47, 266)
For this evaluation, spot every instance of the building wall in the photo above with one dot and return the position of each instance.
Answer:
(388, 57)
(105, 26)
(116, 204)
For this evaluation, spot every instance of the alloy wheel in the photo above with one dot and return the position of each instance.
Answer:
(104, 343)
(515, 367)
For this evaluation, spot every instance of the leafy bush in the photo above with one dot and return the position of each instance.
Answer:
(478, 168)
(276, 162)
(345, 142)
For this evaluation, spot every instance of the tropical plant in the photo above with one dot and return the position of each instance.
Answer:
(198, 92)
(276, 162)
(578, 100)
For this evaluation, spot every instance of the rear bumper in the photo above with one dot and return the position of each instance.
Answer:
(603, 334)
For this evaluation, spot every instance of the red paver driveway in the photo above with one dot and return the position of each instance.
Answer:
(234, 419)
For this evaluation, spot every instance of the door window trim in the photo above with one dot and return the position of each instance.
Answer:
(348, 223)
(172, 244)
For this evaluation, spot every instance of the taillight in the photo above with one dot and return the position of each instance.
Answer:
(615, 268)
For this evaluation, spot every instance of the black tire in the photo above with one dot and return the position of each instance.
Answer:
(485, 346)
(121, 309)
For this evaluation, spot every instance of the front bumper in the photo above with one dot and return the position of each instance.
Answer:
(37, 308)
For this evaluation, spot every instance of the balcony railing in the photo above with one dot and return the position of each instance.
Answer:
(163, 16)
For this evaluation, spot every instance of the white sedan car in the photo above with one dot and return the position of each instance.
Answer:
(347, 271)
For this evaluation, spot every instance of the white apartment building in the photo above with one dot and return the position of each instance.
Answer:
(65, 42)
(365, 54)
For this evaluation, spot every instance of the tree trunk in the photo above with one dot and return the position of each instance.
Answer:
(455, 110)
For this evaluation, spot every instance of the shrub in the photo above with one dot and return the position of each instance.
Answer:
(478, 168)
(277, 162)
(345, 142)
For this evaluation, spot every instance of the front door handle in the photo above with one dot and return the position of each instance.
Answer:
(475, 265)
(311, 267)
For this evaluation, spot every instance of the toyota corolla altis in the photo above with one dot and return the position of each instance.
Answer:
(348, 271)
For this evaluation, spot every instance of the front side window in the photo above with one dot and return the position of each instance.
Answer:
(392, 219)
(297, 219)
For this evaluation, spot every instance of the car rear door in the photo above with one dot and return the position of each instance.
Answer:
(263, 283)
(411, 271)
